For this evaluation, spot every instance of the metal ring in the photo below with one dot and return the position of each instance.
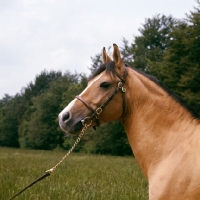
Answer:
(83, 121)
(123, 89)
(97, 116)
(120, 85)
(98, 110)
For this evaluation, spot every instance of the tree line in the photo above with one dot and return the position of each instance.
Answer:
(166, 47)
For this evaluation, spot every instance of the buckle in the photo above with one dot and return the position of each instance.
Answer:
(98, 110)
(120, 85)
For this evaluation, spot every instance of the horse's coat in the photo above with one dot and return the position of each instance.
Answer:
(164, 135)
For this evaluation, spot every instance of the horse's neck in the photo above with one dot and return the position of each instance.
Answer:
(155, 123)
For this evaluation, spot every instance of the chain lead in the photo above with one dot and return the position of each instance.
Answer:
(48, 172)
(72, 148)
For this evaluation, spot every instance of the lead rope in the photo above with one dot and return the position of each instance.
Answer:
(50, 171)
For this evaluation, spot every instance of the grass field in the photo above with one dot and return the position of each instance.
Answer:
(79, 177)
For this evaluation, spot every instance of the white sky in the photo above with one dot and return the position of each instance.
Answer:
(64, 34)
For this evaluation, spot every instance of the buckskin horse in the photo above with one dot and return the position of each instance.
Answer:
(163, 133)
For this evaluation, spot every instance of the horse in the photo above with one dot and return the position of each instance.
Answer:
(163, 132)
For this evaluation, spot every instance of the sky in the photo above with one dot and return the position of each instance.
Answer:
(37, 35)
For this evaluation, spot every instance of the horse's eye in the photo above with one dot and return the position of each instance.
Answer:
(105, 85)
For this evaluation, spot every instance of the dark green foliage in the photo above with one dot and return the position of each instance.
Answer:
(9, 121)
(39, 129)
(41, 83)
(154, 40)
(109, 138)
(127, 56)
(42, 132)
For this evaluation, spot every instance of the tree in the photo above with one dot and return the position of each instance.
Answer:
(125, 50)
(40, 85)
(42, 132)
(9, 121)
(39, 130)
(153, 42)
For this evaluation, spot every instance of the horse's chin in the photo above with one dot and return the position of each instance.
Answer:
(73, 130)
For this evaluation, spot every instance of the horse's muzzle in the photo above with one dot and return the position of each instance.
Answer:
(68, 124)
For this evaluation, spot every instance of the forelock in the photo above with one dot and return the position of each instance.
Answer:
(109, 67)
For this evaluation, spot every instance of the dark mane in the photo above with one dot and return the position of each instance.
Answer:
(109, 67)
(172, 94)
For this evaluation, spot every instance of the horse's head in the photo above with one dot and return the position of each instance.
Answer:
(100, 101)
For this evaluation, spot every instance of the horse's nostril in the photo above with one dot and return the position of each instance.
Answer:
(65, 117)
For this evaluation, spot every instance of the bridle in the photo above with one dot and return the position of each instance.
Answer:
(97, 112)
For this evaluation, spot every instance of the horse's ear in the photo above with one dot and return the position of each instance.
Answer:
(105, 56)
(117, 59)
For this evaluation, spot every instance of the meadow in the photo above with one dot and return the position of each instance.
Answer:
(79, 177)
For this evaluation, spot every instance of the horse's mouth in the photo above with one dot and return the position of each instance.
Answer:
(73, 130)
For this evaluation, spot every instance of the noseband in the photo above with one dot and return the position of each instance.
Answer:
(97, 112)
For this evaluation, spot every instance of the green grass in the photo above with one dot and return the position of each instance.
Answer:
(79, 177)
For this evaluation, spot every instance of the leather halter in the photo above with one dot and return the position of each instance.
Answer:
(97, 112)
